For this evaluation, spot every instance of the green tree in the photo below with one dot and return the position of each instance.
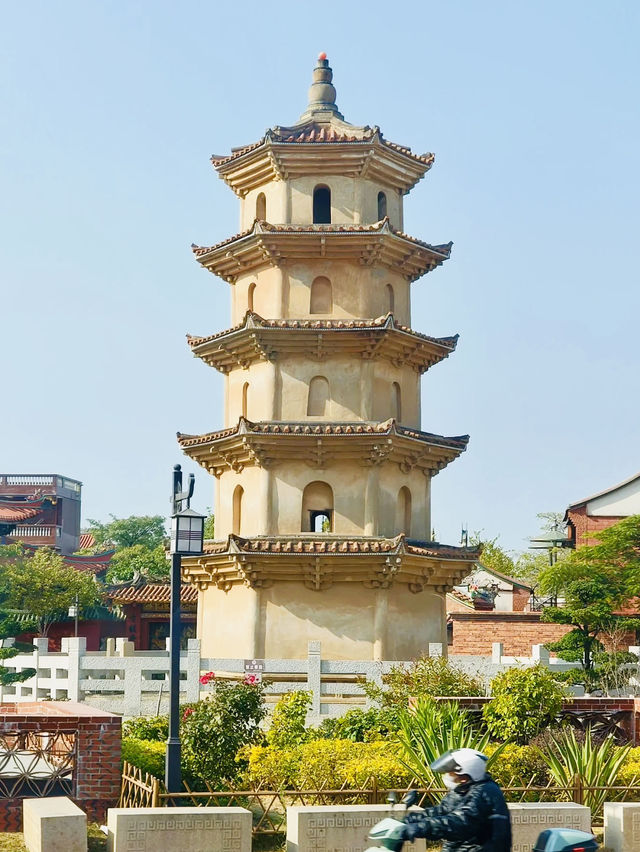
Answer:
(210, 524)
(138, 560)
(9, 624)
(146, 530)
(596, 581)
(43, 587)
(493, 557)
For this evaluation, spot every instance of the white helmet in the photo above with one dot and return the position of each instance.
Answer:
(462, 761)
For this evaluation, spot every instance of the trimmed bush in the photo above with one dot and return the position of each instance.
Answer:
(147, 755)
(147, 728)
(326, 764)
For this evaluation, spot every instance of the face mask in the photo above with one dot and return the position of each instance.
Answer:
(450, 781)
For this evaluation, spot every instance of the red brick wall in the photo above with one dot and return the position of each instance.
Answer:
(475, 632)
(520, 598)
(98, 735)
(584, 524)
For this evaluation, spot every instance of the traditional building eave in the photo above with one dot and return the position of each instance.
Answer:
(321, 561)
(258, 339)
(314, 148)
(321, 444)
(265, 245)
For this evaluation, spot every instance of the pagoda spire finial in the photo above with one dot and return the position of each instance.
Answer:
(322, 93)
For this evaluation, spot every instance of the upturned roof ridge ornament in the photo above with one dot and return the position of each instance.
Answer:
(322, 93)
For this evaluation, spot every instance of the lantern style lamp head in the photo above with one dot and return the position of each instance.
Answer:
(187, 533)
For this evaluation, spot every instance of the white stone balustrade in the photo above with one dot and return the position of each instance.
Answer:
(132, 683)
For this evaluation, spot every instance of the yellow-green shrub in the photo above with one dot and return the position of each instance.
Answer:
(518, 766)
(147, 755)
(629, 774)
(328, 764)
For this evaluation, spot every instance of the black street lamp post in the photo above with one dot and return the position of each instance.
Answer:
(187, 536)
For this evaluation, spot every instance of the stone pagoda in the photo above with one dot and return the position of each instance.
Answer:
(323, 474)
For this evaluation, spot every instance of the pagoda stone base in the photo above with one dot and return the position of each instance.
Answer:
(353, 622)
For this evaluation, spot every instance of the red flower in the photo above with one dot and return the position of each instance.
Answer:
(251, 679)
(187, 713)
(205, 678)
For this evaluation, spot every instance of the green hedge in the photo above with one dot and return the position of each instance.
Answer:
(147, 755)
(328, 764)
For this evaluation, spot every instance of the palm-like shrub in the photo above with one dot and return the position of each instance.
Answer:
(430, 728)
(596, 765)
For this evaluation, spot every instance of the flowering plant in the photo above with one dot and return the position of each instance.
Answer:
(251, 679)
(207, 677)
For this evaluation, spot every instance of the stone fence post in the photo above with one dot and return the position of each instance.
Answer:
(314, 671)
(75, 648)
(193, 670)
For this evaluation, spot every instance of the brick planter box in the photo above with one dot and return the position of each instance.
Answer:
(37, 738)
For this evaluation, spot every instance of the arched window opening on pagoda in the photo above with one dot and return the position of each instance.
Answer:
(318, 400)
(382, 205)
(317, 508)
(245, 399)
(237, 510)
(322, 205)
(396, 402)
(391, 298)
(261, 206)
(321, 300)
(403, 511)
(252, 290)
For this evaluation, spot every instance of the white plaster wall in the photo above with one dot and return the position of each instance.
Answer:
(622, 502)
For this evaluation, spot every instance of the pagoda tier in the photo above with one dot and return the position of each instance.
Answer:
(322, 561)
(256, 339)
(321, 445)
(317, 148)
(266, 245)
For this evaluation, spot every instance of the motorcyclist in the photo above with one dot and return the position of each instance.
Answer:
(473, 815)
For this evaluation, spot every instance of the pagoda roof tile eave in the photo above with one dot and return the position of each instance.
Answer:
(253, 321)
(336, 545)
(311, 135)
(227, 264)
(323, 429)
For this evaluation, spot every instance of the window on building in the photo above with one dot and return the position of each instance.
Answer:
(318, 400)
(322, 205)
(321, 299)
(236, 525)
(382, 205)
(396, 402)
(403, 511)
(245, 398)
(261, 206)
(317, 508)
(391, 299)
(252, 290)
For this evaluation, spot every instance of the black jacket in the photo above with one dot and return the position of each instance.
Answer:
(472, 818)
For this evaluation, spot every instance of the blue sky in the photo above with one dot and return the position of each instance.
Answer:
(110, 112)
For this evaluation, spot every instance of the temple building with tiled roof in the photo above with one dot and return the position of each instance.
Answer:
(323, 471)
(41, 509)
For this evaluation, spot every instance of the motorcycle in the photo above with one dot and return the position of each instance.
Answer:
(388, 833)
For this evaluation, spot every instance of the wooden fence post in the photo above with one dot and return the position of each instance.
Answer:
(578, 790)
